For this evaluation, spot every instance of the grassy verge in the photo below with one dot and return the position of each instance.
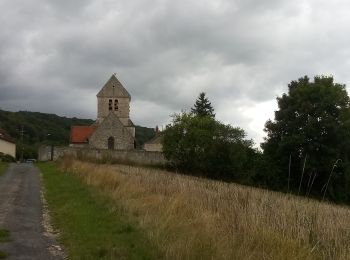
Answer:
(3, 167)
(3, 255)
(89, 227)
(4, 234)
(4, 237)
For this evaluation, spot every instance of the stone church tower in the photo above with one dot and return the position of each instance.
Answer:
(113, 128)
(114, 98)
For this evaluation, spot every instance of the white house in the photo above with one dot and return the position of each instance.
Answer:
(7, 144)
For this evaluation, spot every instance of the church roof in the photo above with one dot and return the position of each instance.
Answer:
(157, 139)
(5, 136)
(113, 88)
(81, 134)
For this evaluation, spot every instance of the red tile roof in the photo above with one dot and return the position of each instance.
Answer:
(81, 134)
(6, 137)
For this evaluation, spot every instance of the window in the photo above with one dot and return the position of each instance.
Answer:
(116, 105)
(110, 103)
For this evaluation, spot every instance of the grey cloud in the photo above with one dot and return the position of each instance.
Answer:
(242, 53)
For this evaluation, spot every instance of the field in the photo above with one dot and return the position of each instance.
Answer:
(190, 218)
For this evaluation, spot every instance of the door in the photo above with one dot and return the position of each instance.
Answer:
(111, 143)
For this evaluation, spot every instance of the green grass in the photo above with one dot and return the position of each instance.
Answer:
(4, 237)
(3, 255)
(3, 167)
(89, 227)
(4, 234)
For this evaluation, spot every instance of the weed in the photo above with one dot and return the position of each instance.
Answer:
(3, 167)
(302, 174)
(3, 254)
(329, 178)
(4, 235)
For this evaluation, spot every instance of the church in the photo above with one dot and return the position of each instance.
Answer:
(113, 128)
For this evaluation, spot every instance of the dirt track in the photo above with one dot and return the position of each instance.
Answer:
(21, 214)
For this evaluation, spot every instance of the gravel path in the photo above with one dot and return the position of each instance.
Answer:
(21, 213)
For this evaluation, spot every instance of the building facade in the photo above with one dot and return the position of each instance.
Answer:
(113, 128)
(7, 144)
(154, 145)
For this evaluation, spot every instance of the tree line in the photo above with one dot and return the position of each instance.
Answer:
(306, 150)
(49, 129)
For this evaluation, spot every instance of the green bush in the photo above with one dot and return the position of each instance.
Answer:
(6, 158)
(204, 145)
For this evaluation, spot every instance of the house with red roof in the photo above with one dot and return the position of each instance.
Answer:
(7, 144)
(113, 128)
(79, 135)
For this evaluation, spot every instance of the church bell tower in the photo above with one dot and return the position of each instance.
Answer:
(114, 98)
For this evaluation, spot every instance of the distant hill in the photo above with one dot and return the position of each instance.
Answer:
(41, 128)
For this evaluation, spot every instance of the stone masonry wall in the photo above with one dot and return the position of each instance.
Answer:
(153, 147)
(139, 157)
(112, 127)
(122, 112)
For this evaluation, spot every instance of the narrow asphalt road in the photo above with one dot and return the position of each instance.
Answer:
(21, 214)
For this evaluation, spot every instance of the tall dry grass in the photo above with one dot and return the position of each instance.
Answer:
(191, 218)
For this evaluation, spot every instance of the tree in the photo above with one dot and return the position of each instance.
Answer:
(203, 145)
(311, 131)
(203, 107)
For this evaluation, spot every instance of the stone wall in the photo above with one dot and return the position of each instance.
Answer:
(112, 127)
(153, 147)
(44, 153)
(122, 112)
(139, 157)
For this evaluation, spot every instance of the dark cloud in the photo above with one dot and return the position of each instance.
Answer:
(56, 55)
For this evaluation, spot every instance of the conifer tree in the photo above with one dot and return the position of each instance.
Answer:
(203, 107)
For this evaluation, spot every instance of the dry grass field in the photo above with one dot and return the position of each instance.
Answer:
(192, 218)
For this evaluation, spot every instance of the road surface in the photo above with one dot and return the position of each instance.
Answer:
(21, 214)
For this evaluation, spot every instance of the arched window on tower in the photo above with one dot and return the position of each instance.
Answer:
(111, 143)
(110, 105)
(116, 105)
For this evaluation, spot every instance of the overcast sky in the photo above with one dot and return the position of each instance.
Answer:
(56, 55)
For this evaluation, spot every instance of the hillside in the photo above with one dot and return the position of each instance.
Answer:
(41, 128)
